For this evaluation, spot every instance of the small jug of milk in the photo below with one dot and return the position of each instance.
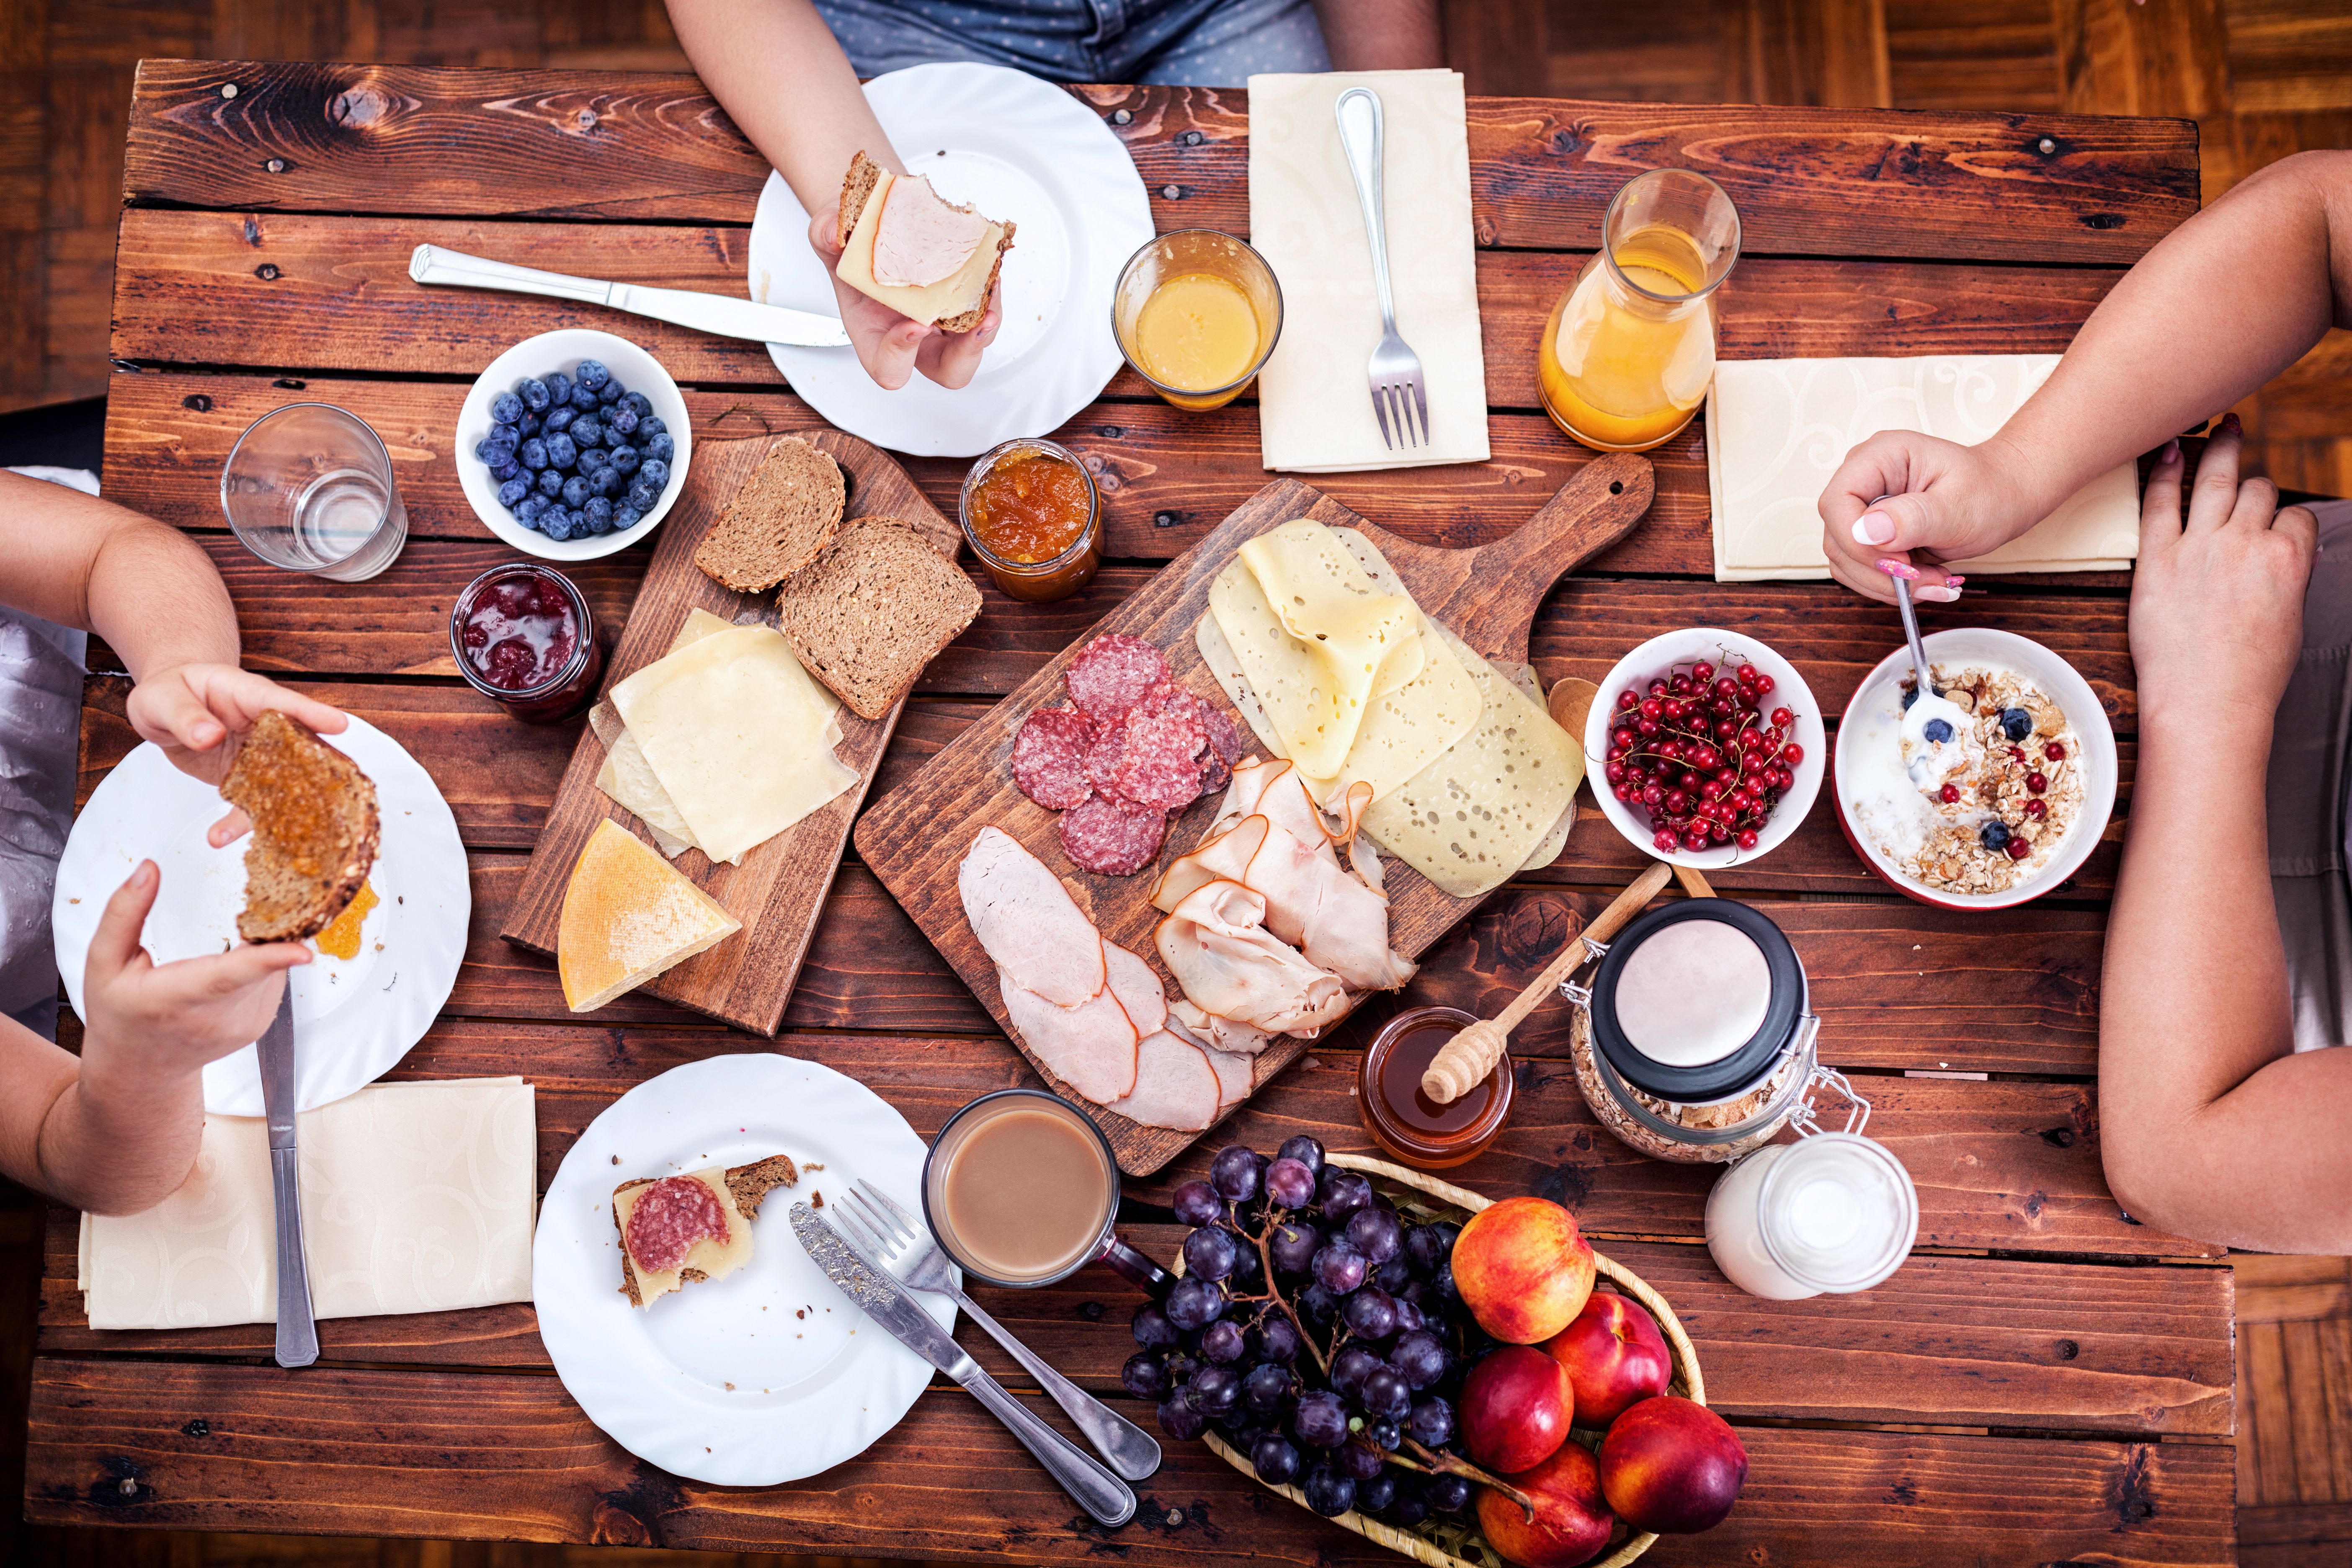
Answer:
(1832, 1213)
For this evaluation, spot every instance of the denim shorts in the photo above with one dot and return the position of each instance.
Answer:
(1177, 43)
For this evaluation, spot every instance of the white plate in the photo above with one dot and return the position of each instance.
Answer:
(353, 1020)
(1019, 149)
(563, 350)
(806, 1393)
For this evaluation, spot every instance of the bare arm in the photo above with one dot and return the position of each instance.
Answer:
(777, 70)
(2209, 1125)
(1381, 35)
(2221, 305)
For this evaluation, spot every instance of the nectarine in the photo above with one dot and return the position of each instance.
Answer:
(1572, 1522)
(1515, 1407)
(1614, 1355)
(1523, 1268)
(1672, 1465)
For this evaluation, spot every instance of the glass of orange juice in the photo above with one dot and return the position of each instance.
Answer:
(1196, 312)
(1629, 351)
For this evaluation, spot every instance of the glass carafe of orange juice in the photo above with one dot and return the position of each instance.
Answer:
(1628, 353)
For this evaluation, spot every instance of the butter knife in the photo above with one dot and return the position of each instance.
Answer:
(1099, 1493)
(298, 1333)
(716, 313)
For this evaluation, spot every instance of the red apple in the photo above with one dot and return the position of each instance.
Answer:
(1572, 1521)
(1614, 1355)
(1523, 1268)
(1672, 1465)
(1516, 1406)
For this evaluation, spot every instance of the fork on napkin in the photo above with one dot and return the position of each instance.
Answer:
(1314, 416)
(416, 1198)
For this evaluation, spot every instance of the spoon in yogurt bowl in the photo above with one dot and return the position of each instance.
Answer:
(1936, 730)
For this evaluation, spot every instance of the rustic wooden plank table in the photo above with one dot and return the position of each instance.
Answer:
(2046, 1379)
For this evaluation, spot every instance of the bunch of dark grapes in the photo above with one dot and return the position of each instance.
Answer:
(1318, 1331)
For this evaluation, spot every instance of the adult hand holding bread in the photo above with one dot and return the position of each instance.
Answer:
(777, 70)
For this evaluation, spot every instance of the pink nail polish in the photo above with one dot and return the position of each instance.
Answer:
(1953, 580)
(2231, 424)
(1873, 527)
(1902, 569)
(2172, 453)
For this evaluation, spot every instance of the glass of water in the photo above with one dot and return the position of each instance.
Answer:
(309, 488)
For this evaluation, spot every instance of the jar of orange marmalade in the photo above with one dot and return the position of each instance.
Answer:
(1032, 514)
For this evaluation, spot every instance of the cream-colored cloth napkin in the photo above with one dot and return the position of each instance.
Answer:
(416, 1198)
(1778, 429)
(1315, 400)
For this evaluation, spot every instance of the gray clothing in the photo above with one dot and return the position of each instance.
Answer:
(2309, 799)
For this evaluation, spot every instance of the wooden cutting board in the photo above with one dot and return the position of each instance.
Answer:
(780, 888)
(915, 837)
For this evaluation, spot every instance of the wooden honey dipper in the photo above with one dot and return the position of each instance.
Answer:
(1466, 1058)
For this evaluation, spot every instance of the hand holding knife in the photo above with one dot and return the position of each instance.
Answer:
(1100, 1493)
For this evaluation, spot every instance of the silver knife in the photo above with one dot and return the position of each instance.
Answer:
(298, 1333)
(1099, 1493)
(716, 313)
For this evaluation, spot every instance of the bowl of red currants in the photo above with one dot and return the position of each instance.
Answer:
(1705, 748)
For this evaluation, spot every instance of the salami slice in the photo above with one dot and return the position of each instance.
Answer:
(1049, 757)
(669, 1217)
(1215, 771)
(1165, 737)
(1111, 672)
(1224, 736)
(1110, 838)
(1103, 756)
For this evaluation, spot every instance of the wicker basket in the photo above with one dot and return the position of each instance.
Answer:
(1423, 1189)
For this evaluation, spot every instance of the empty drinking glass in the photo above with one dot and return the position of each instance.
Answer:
(309, 488)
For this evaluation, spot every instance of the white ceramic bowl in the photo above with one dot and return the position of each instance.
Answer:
(1652, 659)
(637, 370)
(1881, 691)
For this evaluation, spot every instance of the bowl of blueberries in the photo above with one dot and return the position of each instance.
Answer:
(572, 444)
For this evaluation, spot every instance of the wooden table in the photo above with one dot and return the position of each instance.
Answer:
(2045, 1380)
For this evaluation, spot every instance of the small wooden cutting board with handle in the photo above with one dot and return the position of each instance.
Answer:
(779, 889)
(915, 837)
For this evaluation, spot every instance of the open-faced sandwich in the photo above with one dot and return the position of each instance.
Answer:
(924, 257)
(680, 1230)
(315, 831)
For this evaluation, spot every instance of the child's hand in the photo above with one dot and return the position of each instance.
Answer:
(1914, 499)
(889, 345)
(174, 1016)
(2217, 604)
(190, 710)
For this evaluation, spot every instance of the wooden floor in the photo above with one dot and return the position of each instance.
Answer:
(2262, 79)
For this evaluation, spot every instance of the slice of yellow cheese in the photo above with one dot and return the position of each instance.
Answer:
(1320, 635)
(714, 1258)
(950, 296)
(628, 914)
(736, 730)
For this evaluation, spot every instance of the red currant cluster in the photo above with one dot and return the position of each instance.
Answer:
(1700, 756)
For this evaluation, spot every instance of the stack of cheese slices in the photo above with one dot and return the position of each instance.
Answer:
(1452, 766)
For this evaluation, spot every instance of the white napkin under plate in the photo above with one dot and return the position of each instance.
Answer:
(416, 1198)
(1314, 401)
(1777, 429)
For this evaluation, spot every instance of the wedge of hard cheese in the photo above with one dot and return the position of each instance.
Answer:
(678, 1230)
(628, 915)
(925, 258)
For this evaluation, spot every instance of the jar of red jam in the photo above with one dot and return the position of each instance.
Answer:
(523, 635)
(1032, 514)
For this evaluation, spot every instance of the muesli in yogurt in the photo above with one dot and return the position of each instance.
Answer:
(1973, 788)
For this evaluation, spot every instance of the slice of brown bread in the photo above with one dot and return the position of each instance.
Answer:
(785, 513)
(857, 188)
(315, 831)
(873, 609)
(748, 1185)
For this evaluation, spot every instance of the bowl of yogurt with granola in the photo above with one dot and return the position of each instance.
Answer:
(1986, 792)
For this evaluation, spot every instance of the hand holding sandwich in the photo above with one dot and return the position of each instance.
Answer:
(891, 345)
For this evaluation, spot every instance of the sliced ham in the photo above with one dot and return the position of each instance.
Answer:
(1175, 1086)
(1216, 944)
(1028, 922)
(1336, 920)
(1137, 985)
(919, 238)
(1234, 1074)
(1091, 1048)
(1211, 1032)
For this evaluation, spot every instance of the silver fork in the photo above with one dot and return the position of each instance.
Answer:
(902, 1244)
(1398, 391)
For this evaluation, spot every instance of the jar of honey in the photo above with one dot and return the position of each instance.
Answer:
(1196, 312)
(1415, 1130)
(1033, 516)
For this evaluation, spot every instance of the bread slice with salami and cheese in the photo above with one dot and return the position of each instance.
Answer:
(680, 1230)
(923, 255)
